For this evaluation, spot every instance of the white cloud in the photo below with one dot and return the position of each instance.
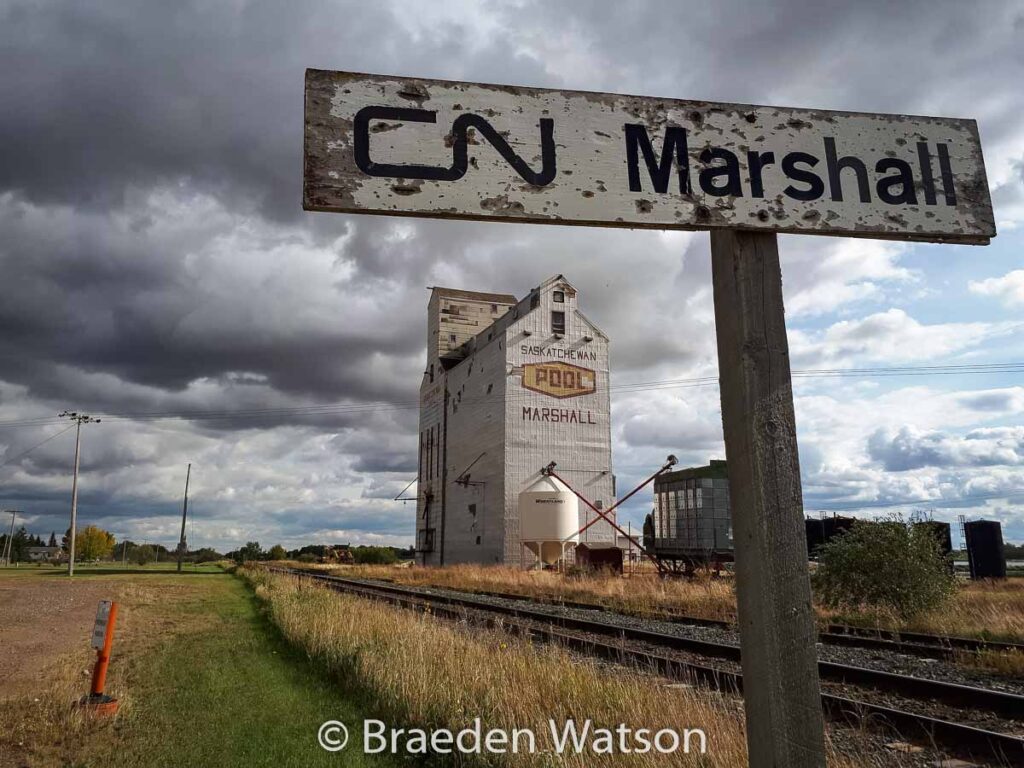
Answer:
(892, 336)
(914, 443)
(1009, 288)
(827, 276)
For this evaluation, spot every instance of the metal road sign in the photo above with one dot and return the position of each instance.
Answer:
(414, 147)
(99, 630)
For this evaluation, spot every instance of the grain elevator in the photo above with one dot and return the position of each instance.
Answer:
(509, 386)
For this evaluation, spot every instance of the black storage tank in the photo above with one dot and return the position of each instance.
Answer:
(940, 531)
(815, 534)
(985, 552)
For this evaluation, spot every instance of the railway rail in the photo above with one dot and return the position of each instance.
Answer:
(957, 738)
(914, 643)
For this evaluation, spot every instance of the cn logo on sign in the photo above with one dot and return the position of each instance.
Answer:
(558, 379)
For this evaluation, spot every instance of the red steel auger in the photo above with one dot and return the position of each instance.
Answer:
(549, 470)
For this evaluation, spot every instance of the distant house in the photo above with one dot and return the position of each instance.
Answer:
(44, 554)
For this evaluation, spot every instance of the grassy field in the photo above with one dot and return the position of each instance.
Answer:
(210, 673)
(109, 568)
(203, 678)
(428, 673)
(402, 659)
(991, 609)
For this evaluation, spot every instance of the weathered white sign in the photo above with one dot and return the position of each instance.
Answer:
(99, 630)
(414, 147)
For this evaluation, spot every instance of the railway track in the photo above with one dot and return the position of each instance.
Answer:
(607, 641)
(913, 643)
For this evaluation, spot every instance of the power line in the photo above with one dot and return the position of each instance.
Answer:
(937, 503)
(338, 409)
(41, 442)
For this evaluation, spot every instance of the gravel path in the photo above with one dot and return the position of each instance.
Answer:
(44, 616)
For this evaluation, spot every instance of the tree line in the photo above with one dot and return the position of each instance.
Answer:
(361, 554)
(93, 544)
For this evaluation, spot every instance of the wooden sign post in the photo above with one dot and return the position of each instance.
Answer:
(773, 593)
(412, 147)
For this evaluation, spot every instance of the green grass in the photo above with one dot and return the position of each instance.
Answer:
(105, 569)
(232, 693)
(204, 680)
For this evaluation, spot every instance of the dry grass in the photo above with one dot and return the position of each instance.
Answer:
(992, 610)
(47, 718)
(424, 673)
(640, 594)
(44, 729)
(1006, 663)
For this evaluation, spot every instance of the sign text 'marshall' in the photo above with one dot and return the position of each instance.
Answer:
(558, 415)
(379, 144)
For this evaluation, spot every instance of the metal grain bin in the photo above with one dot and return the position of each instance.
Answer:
(692, 518)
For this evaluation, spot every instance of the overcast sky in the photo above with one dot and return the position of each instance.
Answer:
(155, 260)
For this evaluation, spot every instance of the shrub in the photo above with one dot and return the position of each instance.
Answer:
(374, 556)
(207, 555)
(887, 565)
(144, 554)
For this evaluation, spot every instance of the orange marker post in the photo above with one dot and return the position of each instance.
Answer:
(102, 640)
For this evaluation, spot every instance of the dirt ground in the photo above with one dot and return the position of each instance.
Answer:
(44, 617)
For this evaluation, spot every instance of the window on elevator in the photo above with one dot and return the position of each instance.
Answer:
(558, 323)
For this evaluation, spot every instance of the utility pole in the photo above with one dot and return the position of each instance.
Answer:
(184, 512)
(9, 544)
(124, 553)
(79, 419)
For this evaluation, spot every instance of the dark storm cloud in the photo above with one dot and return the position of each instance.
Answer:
(94, 294)
(871, 55)
(403, 461)
(117, 98)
